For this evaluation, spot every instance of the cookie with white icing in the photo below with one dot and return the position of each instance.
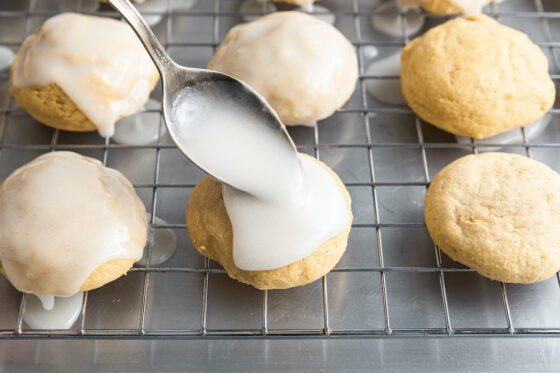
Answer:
(211, 232)
(68, 224)
(82, 73)
(304, 67)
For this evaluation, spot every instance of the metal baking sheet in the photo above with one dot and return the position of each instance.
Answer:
(391, 283)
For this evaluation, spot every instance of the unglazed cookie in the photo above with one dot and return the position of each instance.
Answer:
(304, 67)
(82, 73)
(474, 77)
(499, 214)
(211, 233)
(68, 224)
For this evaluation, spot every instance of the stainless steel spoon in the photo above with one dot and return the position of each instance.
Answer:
(206, 90)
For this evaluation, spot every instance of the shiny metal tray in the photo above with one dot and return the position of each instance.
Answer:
(392, 281)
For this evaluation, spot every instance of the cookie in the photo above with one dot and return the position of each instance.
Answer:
(210, 230)
(82, 73)
(474, 77)
(498, 214)
(102, 275)
(68, 224)
(304, 67)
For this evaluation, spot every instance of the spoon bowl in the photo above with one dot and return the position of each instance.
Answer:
(206, 109)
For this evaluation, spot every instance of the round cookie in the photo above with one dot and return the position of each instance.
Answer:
(474, 77)
(451, 7)
(304, 67)
(105, 273)
(82, 73)
(210, 230)
(68, 224)
(498, 214)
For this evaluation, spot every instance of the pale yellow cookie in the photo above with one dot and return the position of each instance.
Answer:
(211, 233)
(304, 67)
(50, 105)
(474, 77)
(499, 214)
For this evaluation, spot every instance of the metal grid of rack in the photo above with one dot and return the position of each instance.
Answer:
(383, 308)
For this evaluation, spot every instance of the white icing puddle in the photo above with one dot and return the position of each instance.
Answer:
(392, 24)
(386, 90)
(6, 57)
(514, 136)
(62, 314)
(140, 128)
(160, 6)
(163, 241)
(255, 6)
(319, 11)
(370, 52)
(83, 6)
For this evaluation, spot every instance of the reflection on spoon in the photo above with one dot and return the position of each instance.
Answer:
(63, 312)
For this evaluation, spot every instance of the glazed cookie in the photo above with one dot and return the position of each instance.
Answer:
(304, 67)
(82, 73)
(211, 233)
(474, 77)
(499, 214)
(68, 224)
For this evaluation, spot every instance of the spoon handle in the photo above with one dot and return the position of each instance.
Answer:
(158, 54)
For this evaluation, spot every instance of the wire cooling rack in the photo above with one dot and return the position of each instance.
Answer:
(392, 282)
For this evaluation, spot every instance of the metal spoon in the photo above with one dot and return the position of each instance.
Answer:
(205, 90)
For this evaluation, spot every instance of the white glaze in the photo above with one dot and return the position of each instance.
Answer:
(6, 57)
(255, 6)
(369, 51)
(514, 136)
(272, 233)
(386, 90)
(305, 68)
(47, 301)
(281, 212)
(161, 7)
(392, 25)
(319, 11)
(99, 62)
(63, 215)
(468, 6)
(140, 128)
(62, 315)
(163, 242)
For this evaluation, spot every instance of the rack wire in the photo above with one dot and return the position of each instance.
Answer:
(384, 305)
